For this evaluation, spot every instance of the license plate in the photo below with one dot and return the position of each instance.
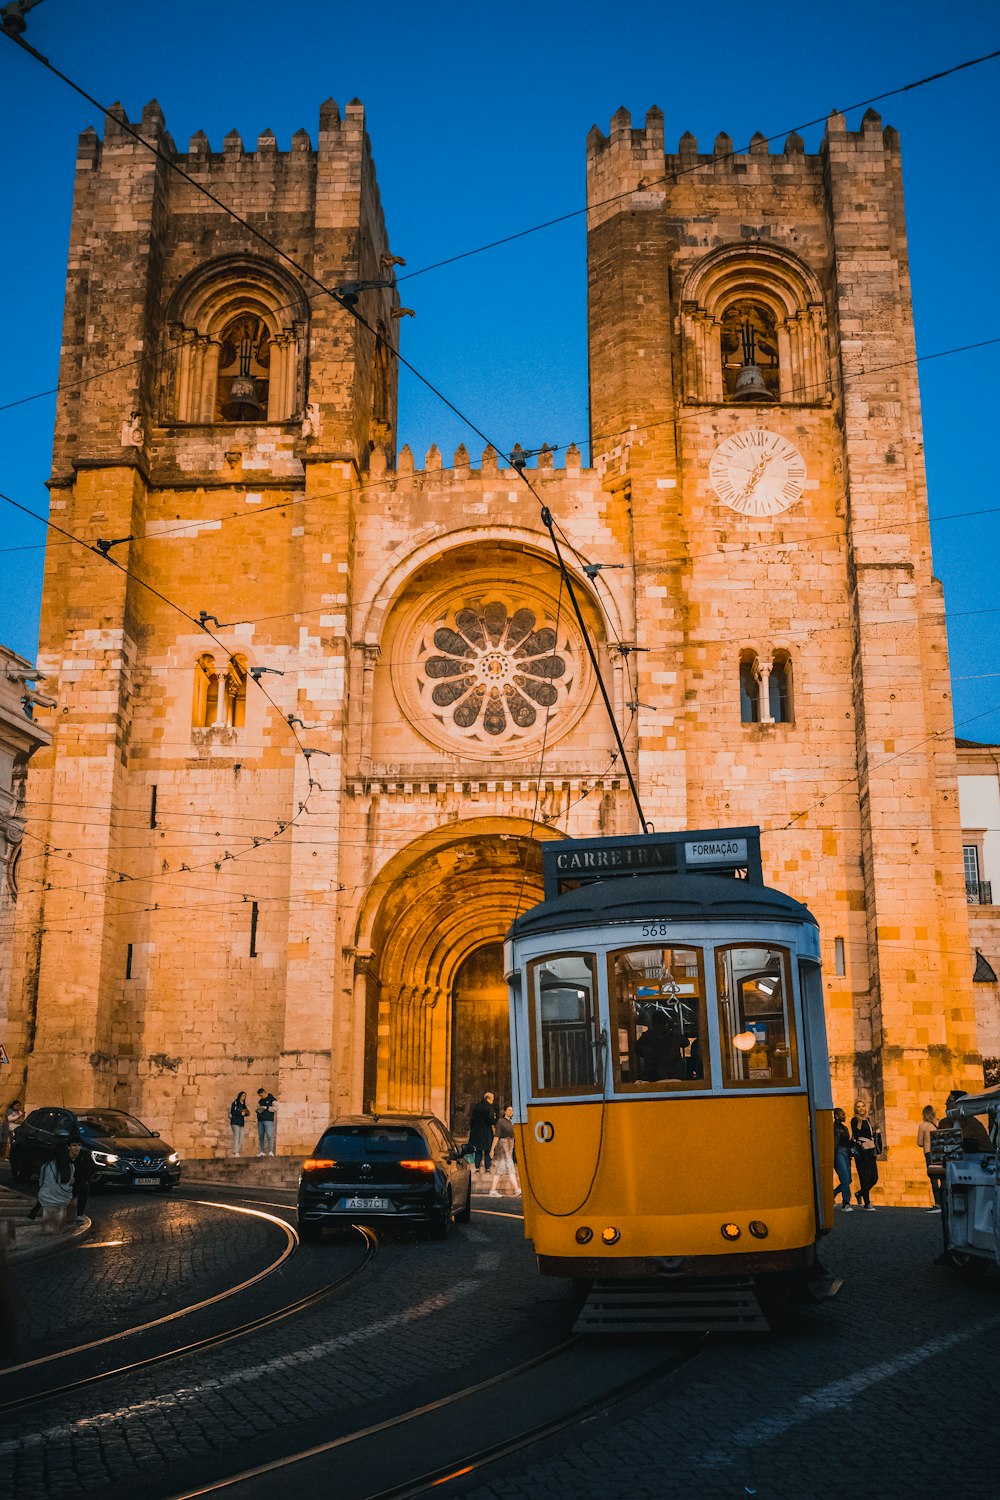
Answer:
(145, 1181)
(358, 1205)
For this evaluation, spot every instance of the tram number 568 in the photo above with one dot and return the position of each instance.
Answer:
(655, 929)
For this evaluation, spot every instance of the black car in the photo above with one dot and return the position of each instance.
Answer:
(385, 1169)
(121, 1149)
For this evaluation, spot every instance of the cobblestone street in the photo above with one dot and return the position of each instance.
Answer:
(845, 1402)
(837, 1399)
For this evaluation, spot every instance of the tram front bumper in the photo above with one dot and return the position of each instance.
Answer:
(643, 1267)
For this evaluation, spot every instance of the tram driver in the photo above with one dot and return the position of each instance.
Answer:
(660, 1049)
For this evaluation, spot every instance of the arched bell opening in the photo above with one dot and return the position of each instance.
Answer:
(436, 1033)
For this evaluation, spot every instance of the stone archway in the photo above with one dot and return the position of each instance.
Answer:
(452, 900)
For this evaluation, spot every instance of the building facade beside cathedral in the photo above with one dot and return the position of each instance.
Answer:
(209, 908)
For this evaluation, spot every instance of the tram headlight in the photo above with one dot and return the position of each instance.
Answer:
(758, 1229)
(731, 1231)
(611, 1235)
(584, 1235)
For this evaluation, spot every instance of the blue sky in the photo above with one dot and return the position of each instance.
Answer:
(478, 117)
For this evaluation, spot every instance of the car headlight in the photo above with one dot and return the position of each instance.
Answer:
(173, 1158)
(103, 1158)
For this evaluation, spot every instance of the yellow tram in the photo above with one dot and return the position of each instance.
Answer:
(671, 1081)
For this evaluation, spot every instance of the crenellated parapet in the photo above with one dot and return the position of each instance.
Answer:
(541, 464)
(633, 161)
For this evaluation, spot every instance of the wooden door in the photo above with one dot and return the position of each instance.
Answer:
(480, 1035)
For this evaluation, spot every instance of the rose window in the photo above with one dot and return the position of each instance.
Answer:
(494, 673)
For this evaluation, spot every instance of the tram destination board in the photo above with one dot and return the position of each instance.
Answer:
(703, 851)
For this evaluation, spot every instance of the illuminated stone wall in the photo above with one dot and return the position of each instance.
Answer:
(226, 911)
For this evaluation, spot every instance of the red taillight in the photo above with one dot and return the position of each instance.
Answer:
(317, 1164)
(423, 1165)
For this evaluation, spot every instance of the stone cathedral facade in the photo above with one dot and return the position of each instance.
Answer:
(207, 907)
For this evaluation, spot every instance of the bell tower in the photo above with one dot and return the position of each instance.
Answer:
(753, 392)
(216, 417)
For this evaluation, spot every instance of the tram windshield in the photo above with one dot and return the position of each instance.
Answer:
(564, 1024)
(658, 1016)
(755, 1016)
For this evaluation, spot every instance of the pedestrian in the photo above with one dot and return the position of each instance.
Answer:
(55, 1186)
(481, 1120)
(928, 1124)
(266, 1103)
(842, 1159)
(975, 1136)
(83, 1171)
(9, 1121)
(238, 1111)
(503, 1153)
(867, 1143)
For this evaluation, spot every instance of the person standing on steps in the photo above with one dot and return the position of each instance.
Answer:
(867, 1144)
(928, 1124)
(503, 1153)
(266, 1103)
(12, 1117)
(238, 1111)
(842, 1159)
(481, 1120)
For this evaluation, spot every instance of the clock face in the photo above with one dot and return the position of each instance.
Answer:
(757, 473)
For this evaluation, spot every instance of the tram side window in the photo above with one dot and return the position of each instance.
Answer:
(756, 1022)
(658, 1017)
(564, 1024)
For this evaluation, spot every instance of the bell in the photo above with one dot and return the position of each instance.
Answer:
(750, 385)
(242, 404)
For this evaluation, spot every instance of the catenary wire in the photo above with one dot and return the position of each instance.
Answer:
(415, 372)
(339, 300)
(673, 176)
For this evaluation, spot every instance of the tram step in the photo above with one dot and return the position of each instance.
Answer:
(724, 1306)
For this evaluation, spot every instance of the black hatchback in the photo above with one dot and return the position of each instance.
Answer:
(385, 1169)
(122, 1150)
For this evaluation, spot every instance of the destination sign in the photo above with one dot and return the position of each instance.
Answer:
(716, 852)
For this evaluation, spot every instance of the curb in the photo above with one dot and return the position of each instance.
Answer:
(41, 1244)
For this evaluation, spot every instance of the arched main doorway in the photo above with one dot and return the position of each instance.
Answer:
(480, 1034)
(435, 1004)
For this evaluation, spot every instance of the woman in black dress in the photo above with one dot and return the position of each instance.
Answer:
(865, 1147)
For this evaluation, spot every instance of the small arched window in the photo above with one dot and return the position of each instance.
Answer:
(220, 694)
(749, 337)
(749, 688)
(779, 688)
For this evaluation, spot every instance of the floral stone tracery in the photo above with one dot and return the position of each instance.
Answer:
(494, 672)
(496, 668)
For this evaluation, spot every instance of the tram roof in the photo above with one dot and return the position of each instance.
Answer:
(641, 898)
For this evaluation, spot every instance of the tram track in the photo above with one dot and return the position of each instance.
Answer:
(64, 1357)
(369, 1449)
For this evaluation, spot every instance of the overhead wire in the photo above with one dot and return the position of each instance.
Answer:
(676, 173)
(324, 289)
(347, 306)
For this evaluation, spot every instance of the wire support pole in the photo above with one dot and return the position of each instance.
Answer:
(549, 525)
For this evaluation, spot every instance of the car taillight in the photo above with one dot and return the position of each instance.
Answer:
(422, 1165)
(318, 1164)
